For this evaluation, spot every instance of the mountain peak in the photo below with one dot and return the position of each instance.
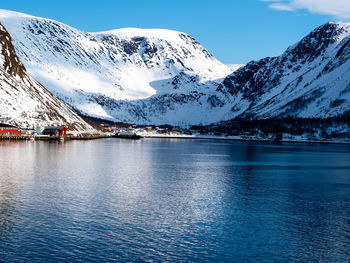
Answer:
(337, 31)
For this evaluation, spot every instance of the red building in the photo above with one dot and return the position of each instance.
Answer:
(55, 131)
(9, 130)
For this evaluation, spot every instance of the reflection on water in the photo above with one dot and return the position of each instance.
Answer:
(174, 200)
(6, 208)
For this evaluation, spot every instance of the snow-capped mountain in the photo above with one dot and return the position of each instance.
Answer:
(159, 76)
(133, 75)
(310, 80)
(23, 100)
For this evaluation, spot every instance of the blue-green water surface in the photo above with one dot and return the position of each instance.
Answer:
(159, 200)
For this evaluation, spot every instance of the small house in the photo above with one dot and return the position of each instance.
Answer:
(9, 130)
(106, 127)
(55, 131)
(162, 131)
(26, 131)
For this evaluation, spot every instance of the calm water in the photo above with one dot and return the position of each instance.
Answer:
(174, 200)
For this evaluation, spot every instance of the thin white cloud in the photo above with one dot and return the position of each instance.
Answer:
(281, 7)
(339, 9)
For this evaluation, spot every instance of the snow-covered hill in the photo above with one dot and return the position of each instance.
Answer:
(133, 75)
(310, 80)
(23, 100)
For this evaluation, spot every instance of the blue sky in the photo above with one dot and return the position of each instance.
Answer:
(234, 31)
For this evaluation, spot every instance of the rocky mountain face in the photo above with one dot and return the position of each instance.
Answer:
(166, 77)
(23, 100)
(310, 80)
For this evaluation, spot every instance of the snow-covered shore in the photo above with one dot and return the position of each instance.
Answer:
(240, 138)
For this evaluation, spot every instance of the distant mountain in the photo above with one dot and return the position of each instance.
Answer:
(154, 76)
(23, 100)
(310, 80)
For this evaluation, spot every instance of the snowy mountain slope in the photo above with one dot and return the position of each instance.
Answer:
(112, 74)
(24, 101)
(310, 80)
(161, 76)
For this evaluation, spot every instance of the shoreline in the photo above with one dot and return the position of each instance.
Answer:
(52, 138)
(189, 137)
(183, 137)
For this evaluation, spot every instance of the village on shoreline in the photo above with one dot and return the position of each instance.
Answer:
(126, 131)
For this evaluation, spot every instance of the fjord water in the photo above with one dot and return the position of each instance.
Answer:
(174, 200)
